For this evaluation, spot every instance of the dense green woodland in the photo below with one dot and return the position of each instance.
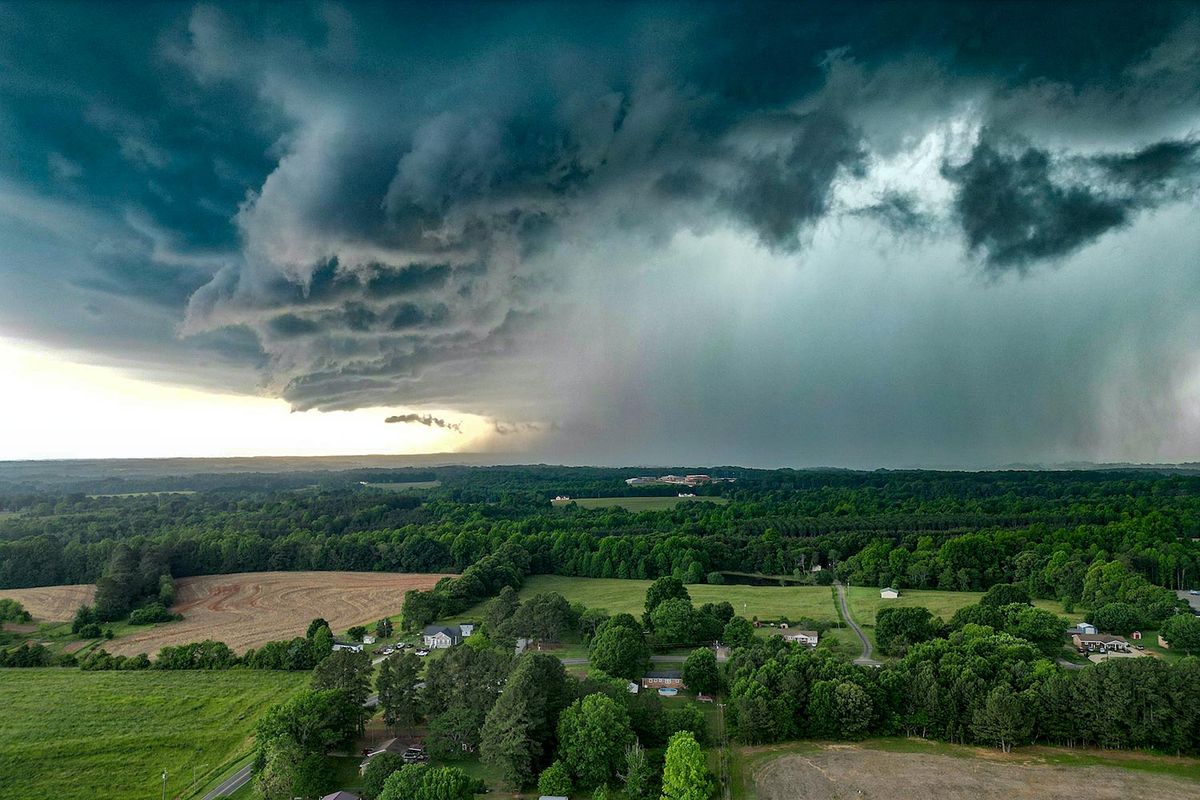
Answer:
(958, 531)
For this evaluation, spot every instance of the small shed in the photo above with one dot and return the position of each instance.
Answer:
(889, 593)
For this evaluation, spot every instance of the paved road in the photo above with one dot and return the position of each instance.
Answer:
(232, 783)
(865, 659)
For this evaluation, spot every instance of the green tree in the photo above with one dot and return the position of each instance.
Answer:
(455, 733)
(665, 588)
(1003, 594)
(396, 685)
(898, 627)
(420, 782)
(1002, 719)
(620, 651)
(520, 727)
(378, 770)
(1121, 618)
(286, 771)
(321, 643)
(853, 709)
(639, 774)
(555, 781)
(384, 629)
(317, 721)
(700, 671)
(1182, 632)
(593, 733)
(674, 622)
(738, 633)
(349, 672)
(315, 626)
(685, 774)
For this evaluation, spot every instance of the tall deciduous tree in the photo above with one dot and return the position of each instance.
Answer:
(685, 774)
(592, 735)
(700, 671)
(620, 651)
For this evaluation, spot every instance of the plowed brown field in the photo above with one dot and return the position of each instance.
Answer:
(52, 603)
(247, 609)
(244, 609)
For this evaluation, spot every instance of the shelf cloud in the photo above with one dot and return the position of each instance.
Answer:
(873, 235)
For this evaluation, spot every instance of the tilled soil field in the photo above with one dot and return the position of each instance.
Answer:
(845, 772)
(52, 603)
(247, 609)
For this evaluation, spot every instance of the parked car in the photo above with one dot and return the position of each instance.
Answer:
(422, 652)
(1141, 647)
(1194, 592)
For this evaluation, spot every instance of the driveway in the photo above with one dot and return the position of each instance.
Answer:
(864, 659)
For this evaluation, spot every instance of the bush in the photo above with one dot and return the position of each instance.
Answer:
(152, 613)
(555, 781)
(90, 630)
(716, 578)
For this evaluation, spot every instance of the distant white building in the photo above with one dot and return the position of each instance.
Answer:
(353, 647)
(889, 593)
(466, 628)
(368, 640)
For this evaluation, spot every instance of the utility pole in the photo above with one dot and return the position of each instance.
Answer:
(164, 781)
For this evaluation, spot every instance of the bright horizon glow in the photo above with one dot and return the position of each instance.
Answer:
(55, 408)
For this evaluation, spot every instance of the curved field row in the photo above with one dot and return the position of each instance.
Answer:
(52, 603)
(247, 609)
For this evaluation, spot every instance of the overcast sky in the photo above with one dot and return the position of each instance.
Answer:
(805, 234)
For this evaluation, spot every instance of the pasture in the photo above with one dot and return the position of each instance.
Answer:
(915, 770)
(865, 602)
(403, 486)
(110, 735)
(248, 609)
(635, 504)
(617, 595)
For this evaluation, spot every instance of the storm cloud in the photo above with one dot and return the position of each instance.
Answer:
(427, 420)
(583, 223)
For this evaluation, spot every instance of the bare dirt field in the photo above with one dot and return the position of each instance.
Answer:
(838, 772)
(247, 609)
(52, 603)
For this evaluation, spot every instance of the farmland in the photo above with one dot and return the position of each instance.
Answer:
(618, 596)
(636, 504)
(52, 603)
(110, 735)
(913, 769)
(247, 609)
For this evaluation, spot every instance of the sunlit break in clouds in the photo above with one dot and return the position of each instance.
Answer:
(845, 234)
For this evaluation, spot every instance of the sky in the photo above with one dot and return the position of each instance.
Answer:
(860, 235)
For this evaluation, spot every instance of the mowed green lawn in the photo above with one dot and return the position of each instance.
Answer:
(865, 602)
(109, 735)
(616, 595)
(636, 503)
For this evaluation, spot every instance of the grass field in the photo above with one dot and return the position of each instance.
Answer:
(110, 735)
(400, 487)
(618, 596)
(636, 503)
(865, 602)
(907, 768)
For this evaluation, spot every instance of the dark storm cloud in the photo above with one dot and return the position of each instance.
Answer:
(1015, 210)
(426, 420)
(374, 204)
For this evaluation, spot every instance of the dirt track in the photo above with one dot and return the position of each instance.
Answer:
(52, 603)
(845, 772)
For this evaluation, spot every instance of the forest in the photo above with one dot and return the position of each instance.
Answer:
(955, 531)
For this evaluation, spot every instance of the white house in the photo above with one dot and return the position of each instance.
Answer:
(889, 593)
(466, 628)
(438, 637)
(1085, 628)
(803, 637)
(368, 640)
(353, 647)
